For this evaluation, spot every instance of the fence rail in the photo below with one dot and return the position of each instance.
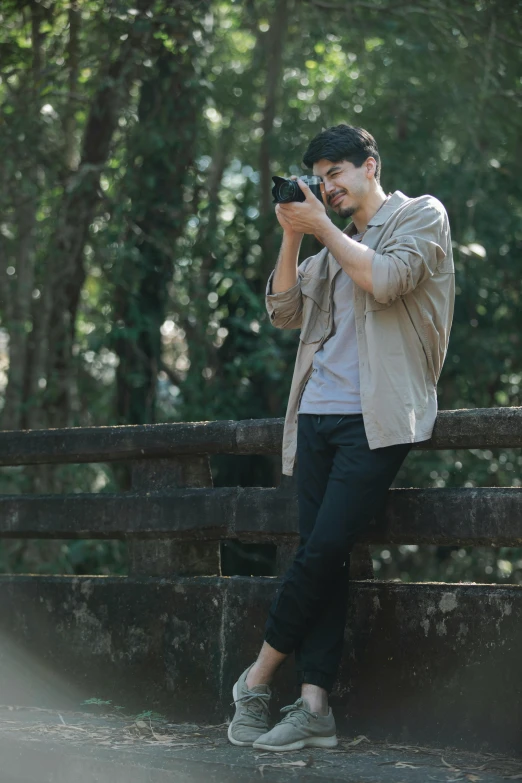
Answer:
(468, 517)
(460, 429)
(176, 643)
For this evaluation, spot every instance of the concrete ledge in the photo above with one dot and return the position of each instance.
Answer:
(473, 428)
(490, 516)
(431, 663)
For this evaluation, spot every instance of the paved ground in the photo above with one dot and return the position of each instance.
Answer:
(44, 746)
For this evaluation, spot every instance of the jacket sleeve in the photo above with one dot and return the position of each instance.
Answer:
(413, 252)
(285, 309)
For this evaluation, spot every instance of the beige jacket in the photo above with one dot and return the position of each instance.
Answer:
(402, 329)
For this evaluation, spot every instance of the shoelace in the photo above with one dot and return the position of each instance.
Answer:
(257, 703)
(297, 713)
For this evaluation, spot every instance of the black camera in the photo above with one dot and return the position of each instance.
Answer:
(286, 190)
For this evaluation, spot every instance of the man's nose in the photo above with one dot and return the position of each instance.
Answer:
(329, 187)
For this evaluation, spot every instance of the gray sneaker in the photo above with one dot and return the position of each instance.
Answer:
(251, 718)
(300, 728)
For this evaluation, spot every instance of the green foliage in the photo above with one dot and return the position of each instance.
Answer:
(171, 323)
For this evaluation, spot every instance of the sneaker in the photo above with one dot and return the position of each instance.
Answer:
(251, 718)
(300, 728)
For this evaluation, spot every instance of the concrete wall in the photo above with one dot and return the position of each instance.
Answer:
(430, 663)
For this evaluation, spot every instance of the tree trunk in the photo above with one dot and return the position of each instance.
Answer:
(274, 54)
(268, 240)
(65, 273)
(26, 205)
(165, 139)
(14, 395)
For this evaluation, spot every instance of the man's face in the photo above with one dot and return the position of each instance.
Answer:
(346, 186)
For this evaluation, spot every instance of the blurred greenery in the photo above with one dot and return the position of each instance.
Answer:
(136, 232)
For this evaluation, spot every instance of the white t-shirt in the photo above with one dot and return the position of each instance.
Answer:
(333, 386)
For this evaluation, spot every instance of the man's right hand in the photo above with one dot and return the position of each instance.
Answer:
(289, 231)
(285, 225)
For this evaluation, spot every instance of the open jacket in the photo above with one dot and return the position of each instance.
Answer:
(402, 329)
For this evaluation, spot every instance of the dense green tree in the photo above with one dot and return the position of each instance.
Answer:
(137, 232)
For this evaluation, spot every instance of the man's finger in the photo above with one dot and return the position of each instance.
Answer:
(291, 206)
(306, 190)
(323, 195)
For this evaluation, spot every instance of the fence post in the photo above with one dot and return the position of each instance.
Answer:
(361, 563)
(285, 554)
(165, 556)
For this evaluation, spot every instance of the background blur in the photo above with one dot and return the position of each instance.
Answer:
(137, 145)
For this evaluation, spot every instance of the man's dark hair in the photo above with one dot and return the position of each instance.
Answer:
(343, 142)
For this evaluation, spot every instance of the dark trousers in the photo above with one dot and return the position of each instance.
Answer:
(341, 486)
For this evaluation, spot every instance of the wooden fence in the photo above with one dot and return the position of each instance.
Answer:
(427, 662)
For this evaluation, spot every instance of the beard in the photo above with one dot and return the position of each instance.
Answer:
(346, 213)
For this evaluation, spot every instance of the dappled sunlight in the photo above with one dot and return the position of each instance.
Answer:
(28, 674)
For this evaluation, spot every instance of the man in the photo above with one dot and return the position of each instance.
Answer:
(375, 308)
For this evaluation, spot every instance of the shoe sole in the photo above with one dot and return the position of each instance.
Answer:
(311, 742)
(229, 732)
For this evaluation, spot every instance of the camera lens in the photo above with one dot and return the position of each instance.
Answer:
(287, 190)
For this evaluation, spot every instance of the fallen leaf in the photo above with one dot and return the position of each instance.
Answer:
(284, 764)
(173, 744)
(449, 765)
(356, 741)
(406, 764)
(70, 726)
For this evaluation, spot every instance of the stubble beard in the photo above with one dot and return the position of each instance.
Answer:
(346, 213)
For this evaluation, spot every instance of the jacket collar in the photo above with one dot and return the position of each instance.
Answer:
(383, 214)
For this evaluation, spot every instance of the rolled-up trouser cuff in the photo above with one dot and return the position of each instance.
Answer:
(320, 679)
(279, 643)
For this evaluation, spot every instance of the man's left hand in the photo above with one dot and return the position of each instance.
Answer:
(305, 217)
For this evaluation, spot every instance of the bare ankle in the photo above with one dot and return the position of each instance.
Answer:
(265, 666)
(256, 677)
(316, 697)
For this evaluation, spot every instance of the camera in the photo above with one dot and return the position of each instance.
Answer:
(286, 190)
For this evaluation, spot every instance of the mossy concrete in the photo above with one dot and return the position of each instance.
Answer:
(429, 663)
